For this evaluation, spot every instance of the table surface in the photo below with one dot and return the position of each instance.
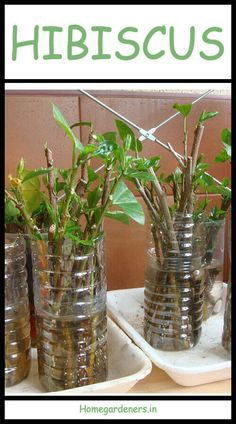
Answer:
(159, 382)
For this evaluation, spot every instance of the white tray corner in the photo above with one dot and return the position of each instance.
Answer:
(205, 363)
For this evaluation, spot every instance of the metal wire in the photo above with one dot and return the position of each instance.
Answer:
(144, 132)
(152, 130)
(110, 109)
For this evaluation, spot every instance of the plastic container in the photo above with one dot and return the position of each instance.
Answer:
(226, 336)
(213, 264)
(70, 306)
(174, 286)
(30, 289)
(17, 317)
(127, 365)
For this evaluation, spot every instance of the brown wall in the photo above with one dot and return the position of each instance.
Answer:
(29, 124)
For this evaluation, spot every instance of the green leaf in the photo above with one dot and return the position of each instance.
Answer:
(225, 182)
(226, 136)
(143, 164)
(141, 175)
(217, 213)
(177, 174)
(94, 196)
(125, 130)
(227, 148)
(206, 180)
(136, 145)
(206, 115)
(161, 177)
(221, 212)
(220, 189)
(110, 135)
(222, 156)
(225, 154)
(167, 179)
(31, 193)
(118, 215)
(201, 206)
(86, 242)
(125, 199)
(88, 150)
(51, 212)
(99, 138)
(79, 241)
(97, 214)
(64, 173)
(66, 127)
(183, 109)
(119, 154)
(92, 176)
(127, 142)
(59, 185)
(20, 168)
(152, 162)
(173, 209)
(105, 148)
(42, 211)
(72, 227)
(201, 167)
(11, 212)
(36, 173)
(81, 124)
(200, 158)
(45, 180)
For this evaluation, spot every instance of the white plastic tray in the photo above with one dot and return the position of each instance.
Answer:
(205, 363)
(127, 364)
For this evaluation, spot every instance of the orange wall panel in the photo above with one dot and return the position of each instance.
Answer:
(29, 124)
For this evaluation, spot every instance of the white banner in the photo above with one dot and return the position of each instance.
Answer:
(114, 409)
(117, 42)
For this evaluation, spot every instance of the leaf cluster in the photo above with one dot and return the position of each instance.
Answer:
(84, 195)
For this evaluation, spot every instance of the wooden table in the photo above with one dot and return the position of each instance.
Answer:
(159, 382)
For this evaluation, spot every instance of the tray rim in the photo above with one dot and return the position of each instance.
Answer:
(132, 378)
(141, 342)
